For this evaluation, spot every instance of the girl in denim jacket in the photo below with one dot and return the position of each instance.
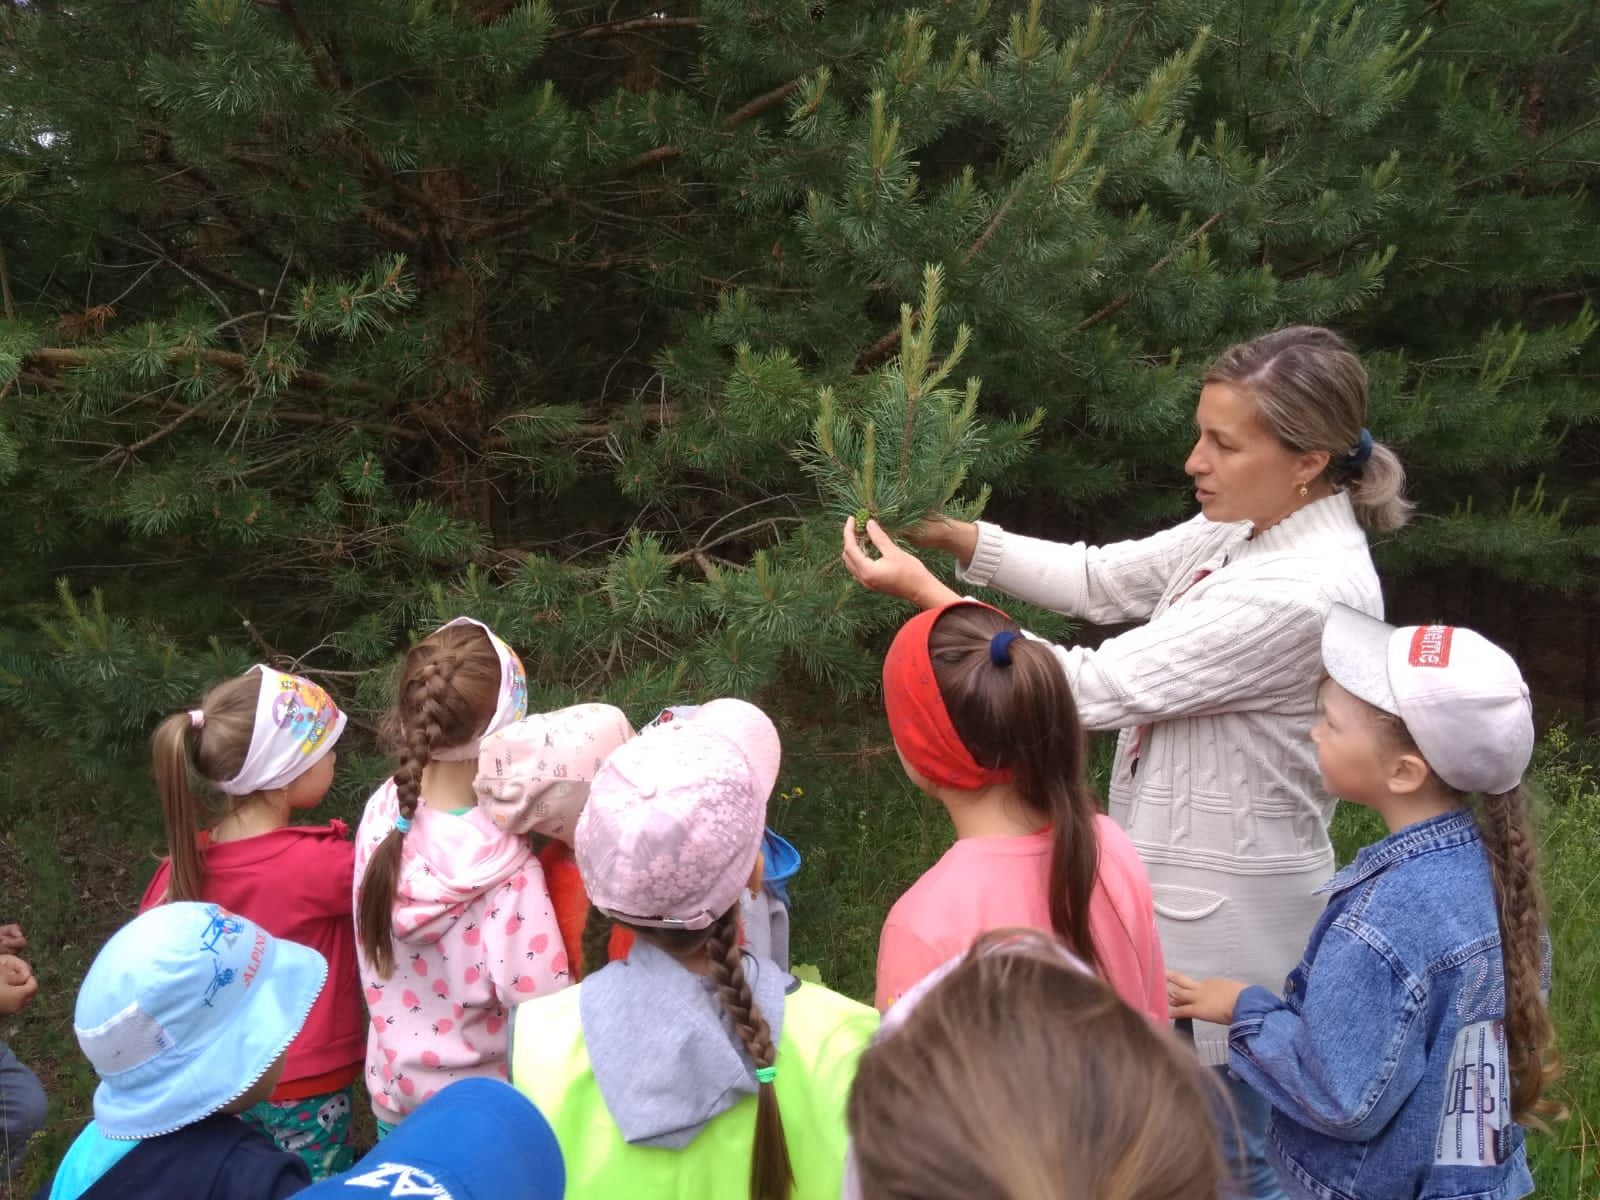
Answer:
(1412, 1042)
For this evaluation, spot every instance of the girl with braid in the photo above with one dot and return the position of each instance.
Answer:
(453, 921)
(692, 1068)
(1412, 1042)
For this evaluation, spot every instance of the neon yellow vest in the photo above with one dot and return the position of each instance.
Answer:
(823, 1035)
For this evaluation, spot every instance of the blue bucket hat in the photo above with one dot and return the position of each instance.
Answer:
(184, 1010)
(478, 1139)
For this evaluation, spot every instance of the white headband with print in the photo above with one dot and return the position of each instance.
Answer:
(511, 704)
(296, 724)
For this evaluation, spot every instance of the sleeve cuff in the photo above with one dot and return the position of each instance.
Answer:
(1251, 1009)
(985, 557)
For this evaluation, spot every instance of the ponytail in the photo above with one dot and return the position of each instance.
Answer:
(179, 816)
(1507, 833)
(213, 741)
(771, 1173)
(1049, 753)
(1019, 714)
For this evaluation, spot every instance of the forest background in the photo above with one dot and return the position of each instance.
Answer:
(323, 323)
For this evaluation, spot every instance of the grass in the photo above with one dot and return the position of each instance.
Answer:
(74, 861)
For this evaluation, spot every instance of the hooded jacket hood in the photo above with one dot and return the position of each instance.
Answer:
(447, 861)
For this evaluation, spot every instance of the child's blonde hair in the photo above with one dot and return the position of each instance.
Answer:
(1021, 1076)
(215, 747)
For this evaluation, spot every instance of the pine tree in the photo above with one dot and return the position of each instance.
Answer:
(341, 319)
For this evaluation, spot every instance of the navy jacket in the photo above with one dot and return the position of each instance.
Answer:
(219, 1158)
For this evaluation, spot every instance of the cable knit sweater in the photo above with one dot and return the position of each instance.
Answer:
(1215, 778)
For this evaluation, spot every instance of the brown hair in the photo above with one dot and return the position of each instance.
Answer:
(1310, 390)
(595, 942)
(771, 1173)
(216, 752)
(1506, 827)
(1017, 1072)
(446, 697)
(1023, 717)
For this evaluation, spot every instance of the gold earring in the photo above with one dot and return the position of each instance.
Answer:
(1304, 491)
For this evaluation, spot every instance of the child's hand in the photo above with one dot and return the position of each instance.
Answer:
(1202, 1000)
(11, 939)
(17, 984)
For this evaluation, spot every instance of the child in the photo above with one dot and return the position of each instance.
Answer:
(22, 1102)
(691, 1068)
(478, 1139)
(187, 1015)
(266, 741)
(533, 778)
(1412, 1040)
(1013, 1069)
(984, 722)
(764, 913)
(453, 920)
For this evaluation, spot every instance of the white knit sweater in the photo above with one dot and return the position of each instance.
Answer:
(1223, 798)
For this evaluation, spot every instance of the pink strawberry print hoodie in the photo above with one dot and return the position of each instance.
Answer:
(474, 933)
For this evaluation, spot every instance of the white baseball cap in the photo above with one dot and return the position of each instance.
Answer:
(1461, 697)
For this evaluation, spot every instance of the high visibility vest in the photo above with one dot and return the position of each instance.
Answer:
(823, 1035)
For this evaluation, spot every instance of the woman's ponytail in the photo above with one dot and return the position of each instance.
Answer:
(1507, 832)
(213, 741)
(771, 1172)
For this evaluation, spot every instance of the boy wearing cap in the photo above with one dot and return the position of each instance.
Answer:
(695, 1068)
(1412, 1042)
(476, 1139)
(186, 1015)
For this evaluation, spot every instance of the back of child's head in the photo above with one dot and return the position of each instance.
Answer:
(668, 840)
(184, 1010)
(1459, 702)
(972, 702)
(456, 685)
(1016, 1074)
(251, 734)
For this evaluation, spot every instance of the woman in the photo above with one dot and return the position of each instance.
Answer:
(1215, 778)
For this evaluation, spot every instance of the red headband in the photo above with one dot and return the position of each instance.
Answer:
(918, 719)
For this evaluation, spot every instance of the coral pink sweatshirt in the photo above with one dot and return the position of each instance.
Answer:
(474, 933)
(1000, 882)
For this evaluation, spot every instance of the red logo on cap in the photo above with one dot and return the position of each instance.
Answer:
(1430, 646)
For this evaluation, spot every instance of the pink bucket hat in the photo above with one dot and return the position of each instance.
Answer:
(675, 817)
(534, 775)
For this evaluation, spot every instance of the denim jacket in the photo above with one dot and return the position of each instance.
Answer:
(1385, 1060)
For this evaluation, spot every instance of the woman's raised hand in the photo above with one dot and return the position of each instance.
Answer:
(895, 572)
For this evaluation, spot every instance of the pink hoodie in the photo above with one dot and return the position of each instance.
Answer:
(474, 933)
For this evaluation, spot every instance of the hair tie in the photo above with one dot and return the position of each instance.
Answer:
(403, 824)
(766, 1074)
(197, 718)
(1000, 647)
(1358, 457)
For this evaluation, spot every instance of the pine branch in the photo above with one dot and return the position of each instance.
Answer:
(57, 358)
(632, 25)
(1121, 301)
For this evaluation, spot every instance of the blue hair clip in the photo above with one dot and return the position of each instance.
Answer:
(1358, 457)
(403, 824)
(1000, 647)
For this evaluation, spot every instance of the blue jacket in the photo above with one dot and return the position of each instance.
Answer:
(1385, 1061)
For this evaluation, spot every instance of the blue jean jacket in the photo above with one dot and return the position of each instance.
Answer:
(1385, 1061)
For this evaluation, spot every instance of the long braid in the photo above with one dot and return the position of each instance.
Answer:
(425, 701)
(1530, 1036)
(771, 1173)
